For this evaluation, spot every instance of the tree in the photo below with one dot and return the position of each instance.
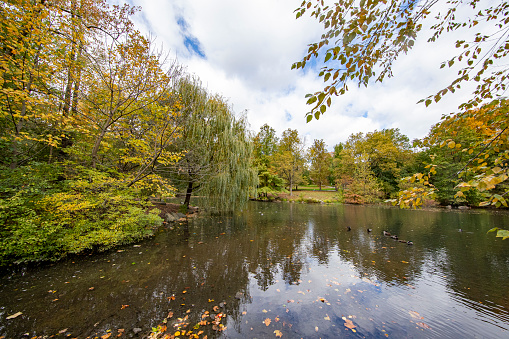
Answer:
(361, 41)
(320, 162)
(217, 150)
(289, 160)
(265, 147)
(353, 172)
(487, 168)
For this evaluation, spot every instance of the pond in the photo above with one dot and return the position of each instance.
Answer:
(279, 270)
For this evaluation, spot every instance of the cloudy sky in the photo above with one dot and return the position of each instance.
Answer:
(244, 50)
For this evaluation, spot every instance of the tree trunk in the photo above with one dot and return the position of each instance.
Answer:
(98, 141)
(189, 192)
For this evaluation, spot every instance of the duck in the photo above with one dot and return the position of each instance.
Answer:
(409, 243)
(369, 230)
(395, 237)
(387, 233)
(348, 228)
(403, 241)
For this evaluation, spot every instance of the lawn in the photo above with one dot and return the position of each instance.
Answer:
(310, 194)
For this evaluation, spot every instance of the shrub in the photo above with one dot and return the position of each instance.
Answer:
(48, 211)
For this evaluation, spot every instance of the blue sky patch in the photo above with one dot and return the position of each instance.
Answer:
(192, 44)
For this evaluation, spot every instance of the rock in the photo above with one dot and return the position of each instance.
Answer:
(180, 215)
(463, 207)
(169, 217)
(448, 207)
(136, 330)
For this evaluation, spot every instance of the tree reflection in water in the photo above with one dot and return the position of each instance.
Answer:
(293, 264)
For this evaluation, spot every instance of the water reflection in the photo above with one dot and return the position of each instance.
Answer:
(296, 265)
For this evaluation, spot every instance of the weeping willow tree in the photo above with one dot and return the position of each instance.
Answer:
(217, 150)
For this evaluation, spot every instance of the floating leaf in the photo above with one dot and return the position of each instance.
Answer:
(326, 317)
(423, 325)
(349, 324)
(278, 333)
(15, 315)
(267, 322)
(415, 315)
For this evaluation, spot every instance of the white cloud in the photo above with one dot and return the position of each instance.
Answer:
(249, 47)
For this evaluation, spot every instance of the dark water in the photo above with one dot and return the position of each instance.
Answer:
(296, 265)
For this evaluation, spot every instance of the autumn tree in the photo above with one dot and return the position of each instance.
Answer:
(320, 163)
(289, 160)
(265, 147)
(353, 173)
(361, 40)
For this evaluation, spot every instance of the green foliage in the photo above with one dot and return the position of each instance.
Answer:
(48, 211)
(362, 40)
(368, 167)
(320, 163)
(504, 234)
(289, 158)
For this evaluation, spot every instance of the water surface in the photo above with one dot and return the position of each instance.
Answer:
(280, 269)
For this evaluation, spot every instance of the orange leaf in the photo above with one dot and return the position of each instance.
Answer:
(415, 315)
(266, 322)
(423, 325)
(349, 324)
(278, 333)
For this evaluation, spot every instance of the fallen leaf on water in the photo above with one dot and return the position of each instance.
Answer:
(124, 306)
(349, 324)
(170, 314)
(415, 315)
(14, 315)
(316, 328)
(91, 288)
(266, 322)
(423, 325)
(62, 331)
(54, 299)
(106, 336)
(276, 319)
(404, 262)
(326, 317)
(278, 333)
(244, 313)
(264, 311)
(216, 308)
(278, 290)
(211, 300)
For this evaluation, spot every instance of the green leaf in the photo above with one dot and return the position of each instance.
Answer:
(504, 234)
(328, 56)
(494, 229)
(323, 108)
(317, 115)
(311, 100)
(309, 118)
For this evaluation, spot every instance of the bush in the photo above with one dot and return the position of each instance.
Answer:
(48, 211)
